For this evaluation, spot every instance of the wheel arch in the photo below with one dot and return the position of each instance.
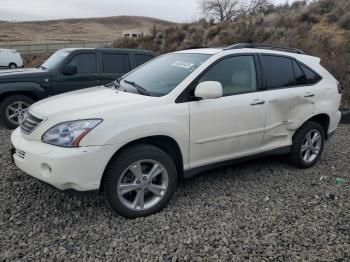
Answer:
(322, 119)
(30, 94)
(165, 143)
(30, 89)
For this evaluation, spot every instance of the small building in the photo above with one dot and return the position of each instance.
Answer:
(132, 34)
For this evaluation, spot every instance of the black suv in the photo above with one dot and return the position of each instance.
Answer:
(66, 70)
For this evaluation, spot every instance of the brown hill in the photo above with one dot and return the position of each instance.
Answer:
(85, 29)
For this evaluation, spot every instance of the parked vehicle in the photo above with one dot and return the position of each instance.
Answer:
(66, 70)
(10, 59)
(178, 115)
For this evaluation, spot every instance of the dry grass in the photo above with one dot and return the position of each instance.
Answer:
(92, 29)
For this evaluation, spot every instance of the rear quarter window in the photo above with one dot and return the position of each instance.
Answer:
(312, 77)
(300, 77)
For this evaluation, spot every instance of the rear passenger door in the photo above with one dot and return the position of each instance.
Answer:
(87, 74)
(114, 65)
(290, 95)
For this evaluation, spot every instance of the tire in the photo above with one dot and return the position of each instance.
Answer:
(298, 156)
(12, 66)
(6, 104)
(116, 174)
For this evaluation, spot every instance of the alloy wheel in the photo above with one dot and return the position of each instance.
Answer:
(311, 146)
(15, 112)
(142, 184)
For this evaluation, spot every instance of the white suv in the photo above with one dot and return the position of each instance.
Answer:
(176, 116)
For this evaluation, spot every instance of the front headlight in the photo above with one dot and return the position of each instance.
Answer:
(69, 134)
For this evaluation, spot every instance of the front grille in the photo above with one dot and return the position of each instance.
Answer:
(20, 153)
(29, 123)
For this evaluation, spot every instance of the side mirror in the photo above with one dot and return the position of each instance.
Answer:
(208, 90)
(69, 70)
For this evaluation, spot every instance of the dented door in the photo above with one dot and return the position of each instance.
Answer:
(287, 109)
(290, 99)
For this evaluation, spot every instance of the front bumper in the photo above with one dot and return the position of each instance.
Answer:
(65, 168)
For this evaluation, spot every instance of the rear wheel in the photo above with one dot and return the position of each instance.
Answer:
(12, 66)
(140, 181)
(13, 108)
(308, 143)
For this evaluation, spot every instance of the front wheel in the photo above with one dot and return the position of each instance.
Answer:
(308, 143)
(13, 108)
(140, 181)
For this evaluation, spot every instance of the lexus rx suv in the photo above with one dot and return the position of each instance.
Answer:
(176, 116)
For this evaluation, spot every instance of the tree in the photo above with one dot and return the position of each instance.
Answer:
(259, 6)
(220, 10)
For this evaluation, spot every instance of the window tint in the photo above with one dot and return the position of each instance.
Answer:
(278, 71)
(141, 59)
(300, 77)
(236, 74)
(115, 63)
(85, 63)
(311, 76)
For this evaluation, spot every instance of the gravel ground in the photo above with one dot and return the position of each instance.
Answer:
(262, 210)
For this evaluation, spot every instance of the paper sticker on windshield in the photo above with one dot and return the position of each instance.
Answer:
(183, 64)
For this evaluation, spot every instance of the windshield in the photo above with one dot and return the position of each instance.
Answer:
(160, 76)
(55, 60)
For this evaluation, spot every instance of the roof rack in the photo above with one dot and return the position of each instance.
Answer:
(263, 46)
(193, 47)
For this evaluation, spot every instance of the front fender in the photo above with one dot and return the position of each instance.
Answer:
(18, 87)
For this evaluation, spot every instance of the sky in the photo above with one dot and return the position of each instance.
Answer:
(172, 10)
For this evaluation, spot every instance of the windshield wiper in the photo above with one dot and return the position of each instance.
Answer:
(139, 88)
(115, 84)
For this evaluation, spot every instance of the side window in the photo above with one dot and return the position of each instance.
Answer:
(278, 71)
(85, 63)
(141, 59)
(300, 77)
(115, 63)
(311, 76)
(236, 74)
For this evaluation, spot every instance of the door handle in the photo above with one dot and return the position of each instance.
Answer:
(257, 102)
(309, 95)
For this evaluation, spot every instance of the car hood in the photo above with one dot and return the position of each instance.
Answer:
(17, 74)
(88, 102)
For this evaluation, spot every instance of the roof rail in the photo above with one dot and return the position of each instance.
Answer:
(193, 47)
(263, 46)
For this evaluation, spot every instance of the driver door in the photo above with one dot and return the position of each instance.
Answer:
(87, 74)
(233, 125)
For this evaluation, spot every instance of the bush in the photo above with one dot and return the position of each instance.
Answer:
(213, 32)
(322, 7)
(344, 21)
(308, 17)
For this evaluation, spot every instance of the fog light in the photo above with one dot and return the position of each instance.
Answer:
(46, 170)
